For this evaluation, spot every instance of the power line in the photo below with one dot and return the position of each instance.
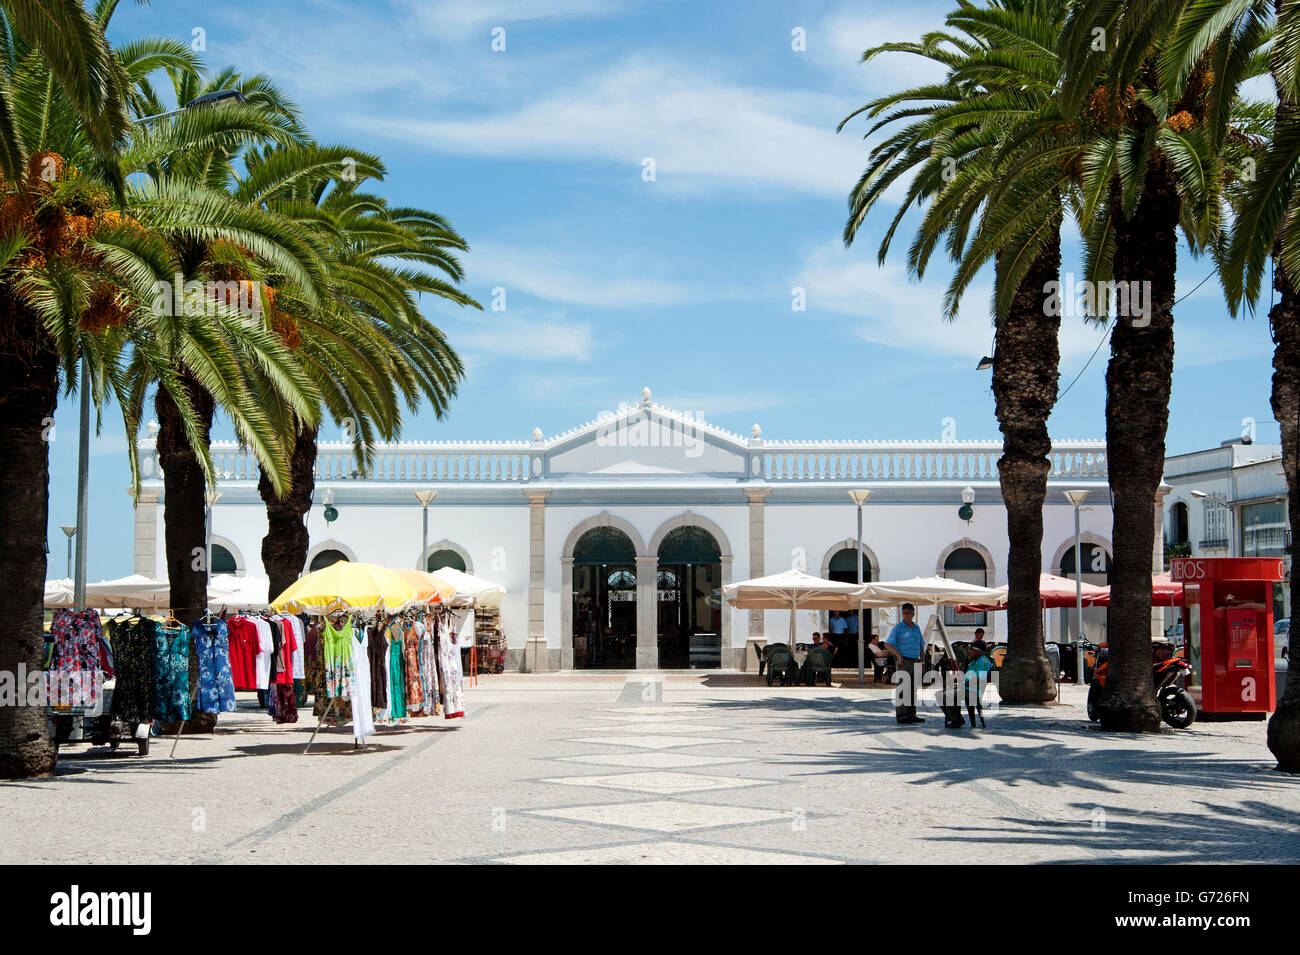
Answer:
(1109, 326)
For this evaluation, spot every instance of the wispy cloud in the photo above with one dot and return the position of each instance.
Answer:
(522, 335)
(581, 276)
(703, 133)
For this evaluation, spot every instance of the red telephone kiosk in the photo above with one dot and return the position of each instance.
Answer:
(1228, 632)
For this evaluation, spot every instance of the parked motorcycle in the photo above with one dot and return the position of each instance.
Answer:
(1177, 707)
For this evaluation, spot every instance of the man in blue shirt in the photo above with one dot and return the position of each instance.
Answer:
(906, 644)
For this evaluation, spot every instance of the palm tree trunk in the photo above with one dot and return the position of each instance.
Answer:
(1138, 383)
(285, 546)
(29, 389)
(1284, 318)
(185, 517)
(1026, 356)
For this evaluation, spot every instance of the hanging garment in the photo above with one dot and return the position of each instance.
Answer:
(362, 719)
(244, 644)
(216, 685)
(282, 702)
(172, 672)
(133, 694)
(453, 685)
(429, 670)
(265, 648)
(336, 648)
(76, 673)
(396, 676)
(285, 650)
(415, 702)
(299, 661)
(378, 672)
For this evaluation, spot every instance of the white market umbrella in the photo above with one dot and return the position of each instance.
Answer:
(136, 590)
(935, 591)
(58, 593)
(793, 590)
(242, 593)
(471, 589)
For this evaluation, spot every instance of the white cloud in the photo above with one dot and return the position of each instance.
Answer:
(890, 309)
(522, 336)
(703, 133)
(579, 277)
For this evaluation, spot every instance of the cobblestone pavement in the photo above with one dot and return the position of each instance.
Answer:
(669, 768)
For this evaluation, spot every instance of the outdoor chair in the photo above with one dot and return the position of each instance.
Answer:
(781, 665)
(817, 665)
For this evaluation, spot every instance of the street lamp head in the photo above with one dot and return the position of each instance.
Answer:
(216, 98)
(425, 497)
(860, 495)
(69, 530)
(327, 496)
(985, 363)
(1199, 494)
(212, 497)
(1076, 496)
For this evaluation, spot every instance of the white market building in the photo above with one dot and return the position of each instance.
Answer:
(614, 538)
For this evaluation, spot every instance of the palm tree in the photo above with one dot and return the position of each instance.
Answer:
(76, 277)
(1265, 233)
(1002, 70)
(1155, 166)
(366, 346)
(190, 162)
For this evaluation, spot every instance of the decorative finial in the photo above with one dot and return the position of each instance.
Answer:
(645, 395)
(151, 429)
(756, 430)
(537, 434)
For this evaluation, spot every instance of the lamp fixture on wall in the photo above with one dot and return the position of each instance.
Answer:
(966, 512)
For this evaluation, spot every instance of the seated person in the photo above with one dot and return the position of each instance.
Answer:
(879, 657)
(816, 642)
(1162, 649)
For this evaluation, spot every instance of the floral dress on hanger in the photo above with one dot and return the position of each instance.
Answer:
(216, 683)
(172, 673)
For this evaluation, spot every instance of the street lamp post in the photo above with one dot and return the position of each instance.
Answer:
(1076, 498)
(859, 498)
(71, 532)
(1232, 518)
(425, 498)
(211, 497)
(214, 98)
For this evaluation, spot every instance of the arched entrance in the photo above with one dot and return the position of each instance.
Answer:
(1096, 570)
(688, 591)
(604, 600)
(842, 628)
(326, 558)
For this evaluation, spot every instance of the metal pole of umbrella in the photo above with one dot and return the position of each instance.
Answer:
(860, 497)
(1076, 498)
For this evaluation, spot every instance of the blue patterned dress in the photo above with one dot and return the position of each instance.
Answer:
(216, 683)
(172, 673)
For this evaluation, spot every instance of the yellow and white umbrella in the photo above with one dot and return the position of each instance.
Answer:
(348, 585)
(429, 588)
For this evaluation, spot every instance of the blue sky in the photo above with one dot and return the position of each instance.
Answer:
(684, 283)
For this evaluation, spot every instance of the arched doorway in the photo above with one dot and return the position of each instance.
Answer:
(967, 565)
(326, 558)
(1096, 570)
(445, 558)
(604, 600)
(223, 561)
(688, 592)
(842, 628)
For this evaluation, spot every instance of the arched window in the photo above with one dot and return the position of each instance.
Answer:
(604, 599)
(1178, 524)
(223, 561)
(327, 558)
(445, 558)
(1095, 561)
(604, 545)
(965, 564)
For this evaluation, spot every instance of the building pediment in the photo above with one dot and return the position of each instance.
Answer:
(647, 439)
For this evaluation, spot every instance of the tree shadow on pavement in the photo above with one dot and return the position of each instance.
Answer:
(1249, 831)
(1048, 752)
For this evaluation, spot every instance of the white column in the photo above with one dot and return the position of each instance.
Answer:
(536, 656)
(647, 613)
